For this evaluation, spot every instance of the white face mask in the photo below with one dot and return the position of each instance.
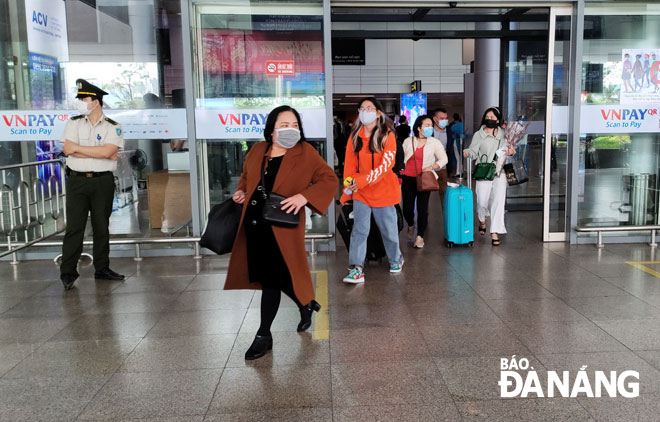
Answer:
(287, 137)
(367, 117)
(81, 106)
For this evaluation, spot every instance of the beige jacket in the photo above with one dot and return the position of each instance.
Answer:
(434, 152)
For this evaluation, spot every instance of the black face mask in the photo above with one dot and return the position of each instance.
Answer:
(491, 124)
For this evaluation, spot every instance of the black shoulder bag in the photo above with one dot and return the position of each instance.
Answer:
(272, 211)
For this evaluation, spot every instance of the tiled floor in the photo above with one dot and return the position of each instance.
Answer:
(168, 343)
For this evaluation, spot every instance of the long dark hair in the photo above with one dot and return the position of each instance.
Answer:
(272, 118)
(419, 122)
(379, 134)
(498, 115)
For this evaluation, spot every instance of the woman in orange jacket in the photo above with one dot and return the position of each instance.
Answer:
(370, 156)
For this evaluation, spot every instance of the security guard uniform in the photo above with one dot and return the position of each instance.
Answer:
(90, 188)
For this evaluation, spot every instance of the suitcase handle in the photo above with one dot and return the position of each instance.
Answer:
(469, 172)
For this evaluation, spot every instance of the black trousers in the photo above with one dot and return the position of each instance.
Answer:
(410, 195)
(84, 196)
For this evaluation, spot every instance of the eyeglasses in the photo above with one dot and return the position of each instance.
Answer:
(369, 109)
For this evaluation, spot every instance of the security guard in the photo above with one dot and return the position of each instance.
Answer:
(91, 143)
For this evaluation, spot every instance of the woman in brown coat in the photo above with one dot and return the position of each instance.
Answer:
(270, 257)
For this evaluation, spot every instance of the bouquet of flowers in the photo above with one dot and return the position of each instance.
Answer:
(513, 133)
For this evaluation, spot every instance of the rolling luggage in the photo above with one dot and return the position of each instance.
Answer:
(459, 213)
(375, 246)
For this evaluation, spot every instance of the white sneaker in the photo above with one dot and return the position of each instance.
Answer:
(411, 233)
(419, 242)
(355, 276)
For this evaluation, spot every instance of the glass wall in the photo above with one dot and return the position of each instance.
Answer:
(620, 131)
(250, 58)
(132, 50)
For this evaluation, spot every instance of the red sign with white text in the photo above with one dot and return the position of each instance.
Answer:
(280, 67)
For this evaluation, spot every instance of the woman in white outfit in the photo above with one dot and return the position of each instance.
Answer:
(487, 145)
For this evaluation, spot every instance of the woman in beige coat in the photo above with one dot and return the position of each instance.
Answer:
(422, 152)
(270, 257)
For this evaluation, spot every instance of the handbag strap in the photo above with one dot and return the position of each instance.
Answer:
(263, 171)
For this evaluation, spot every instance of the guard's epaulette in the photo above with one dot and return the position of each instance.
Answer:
(109, 120)
(80, 116)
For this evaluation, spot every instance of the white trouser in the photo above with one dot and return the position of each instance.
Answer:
(491, 197)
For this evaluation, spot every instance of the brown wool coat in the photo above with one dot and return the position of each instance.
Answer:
(302, 171)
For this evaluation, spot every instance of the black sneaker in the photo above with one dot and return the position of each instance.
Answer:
(107, 274)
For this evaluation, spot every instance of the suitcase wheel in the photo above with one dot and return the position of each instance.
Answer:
(449, 244)
(471, 244)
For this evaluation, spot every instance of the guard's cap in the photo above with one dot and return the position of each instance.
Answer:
(85, 89)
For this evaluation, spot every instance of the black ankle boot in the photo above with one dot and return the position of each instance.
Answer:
(260, 346)
(306, 315)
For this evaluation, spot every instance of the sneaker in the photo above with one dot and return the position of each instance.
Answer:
(355, 276)
(396, 268)
(411, 233)
(419, 243)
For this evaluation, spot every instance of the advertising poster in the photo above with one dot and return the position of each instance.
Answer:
(610, 119)
(46, 28)
(413, 105)
(640, 76)
(25, 125)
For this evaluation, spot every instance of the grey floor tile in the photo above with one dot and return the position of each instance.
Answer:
(83, 286)
(129, 303)
(534, 310)
(30, 330)
(404, 413)
(179, 353)
(89, 327)
(43, 398)
(476, 378)
(7, 303)
(533, 410)
(208, 282)
(289, 348)
(319, 414)
(75, 358)
(488, 339)
(154, 284)
(68, 306)
(640, 409)
(377, 344)
(456, 309)
(605, 361)
(187, 418)
(367, 293)
(388, 383)
(12, 354)
(641, 286)
(565, 337)
(435, 291)
(175, 324)
(370, 316)
(569, 287)
(213, 299)
(153, 394)
(510, 289)
(24, 288)
(614, 308)
(634, 334)
(252, 389)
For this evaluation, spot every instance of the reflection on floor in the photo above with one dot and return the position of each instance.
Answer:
(425, 344)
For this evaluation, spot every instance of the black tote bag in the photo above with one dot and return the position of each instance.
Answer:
(222, 227)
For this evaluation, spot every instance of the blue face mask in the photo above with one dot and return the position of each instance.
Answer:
(428, 132)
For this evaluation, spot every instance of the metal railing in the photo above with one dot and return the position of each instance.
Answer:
(600, 230)
(25, 208)
(312, 237)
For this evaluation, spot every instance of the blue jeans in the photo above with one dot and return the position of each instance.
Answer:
(386, 221)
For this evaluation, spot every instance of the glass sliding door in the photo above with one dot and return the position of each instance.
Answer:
(556, 130)
(250, 57)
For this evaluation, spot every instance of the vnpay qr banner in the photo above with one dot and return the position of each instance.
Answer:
(249, 123)
(43, 125)
(610, 119)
